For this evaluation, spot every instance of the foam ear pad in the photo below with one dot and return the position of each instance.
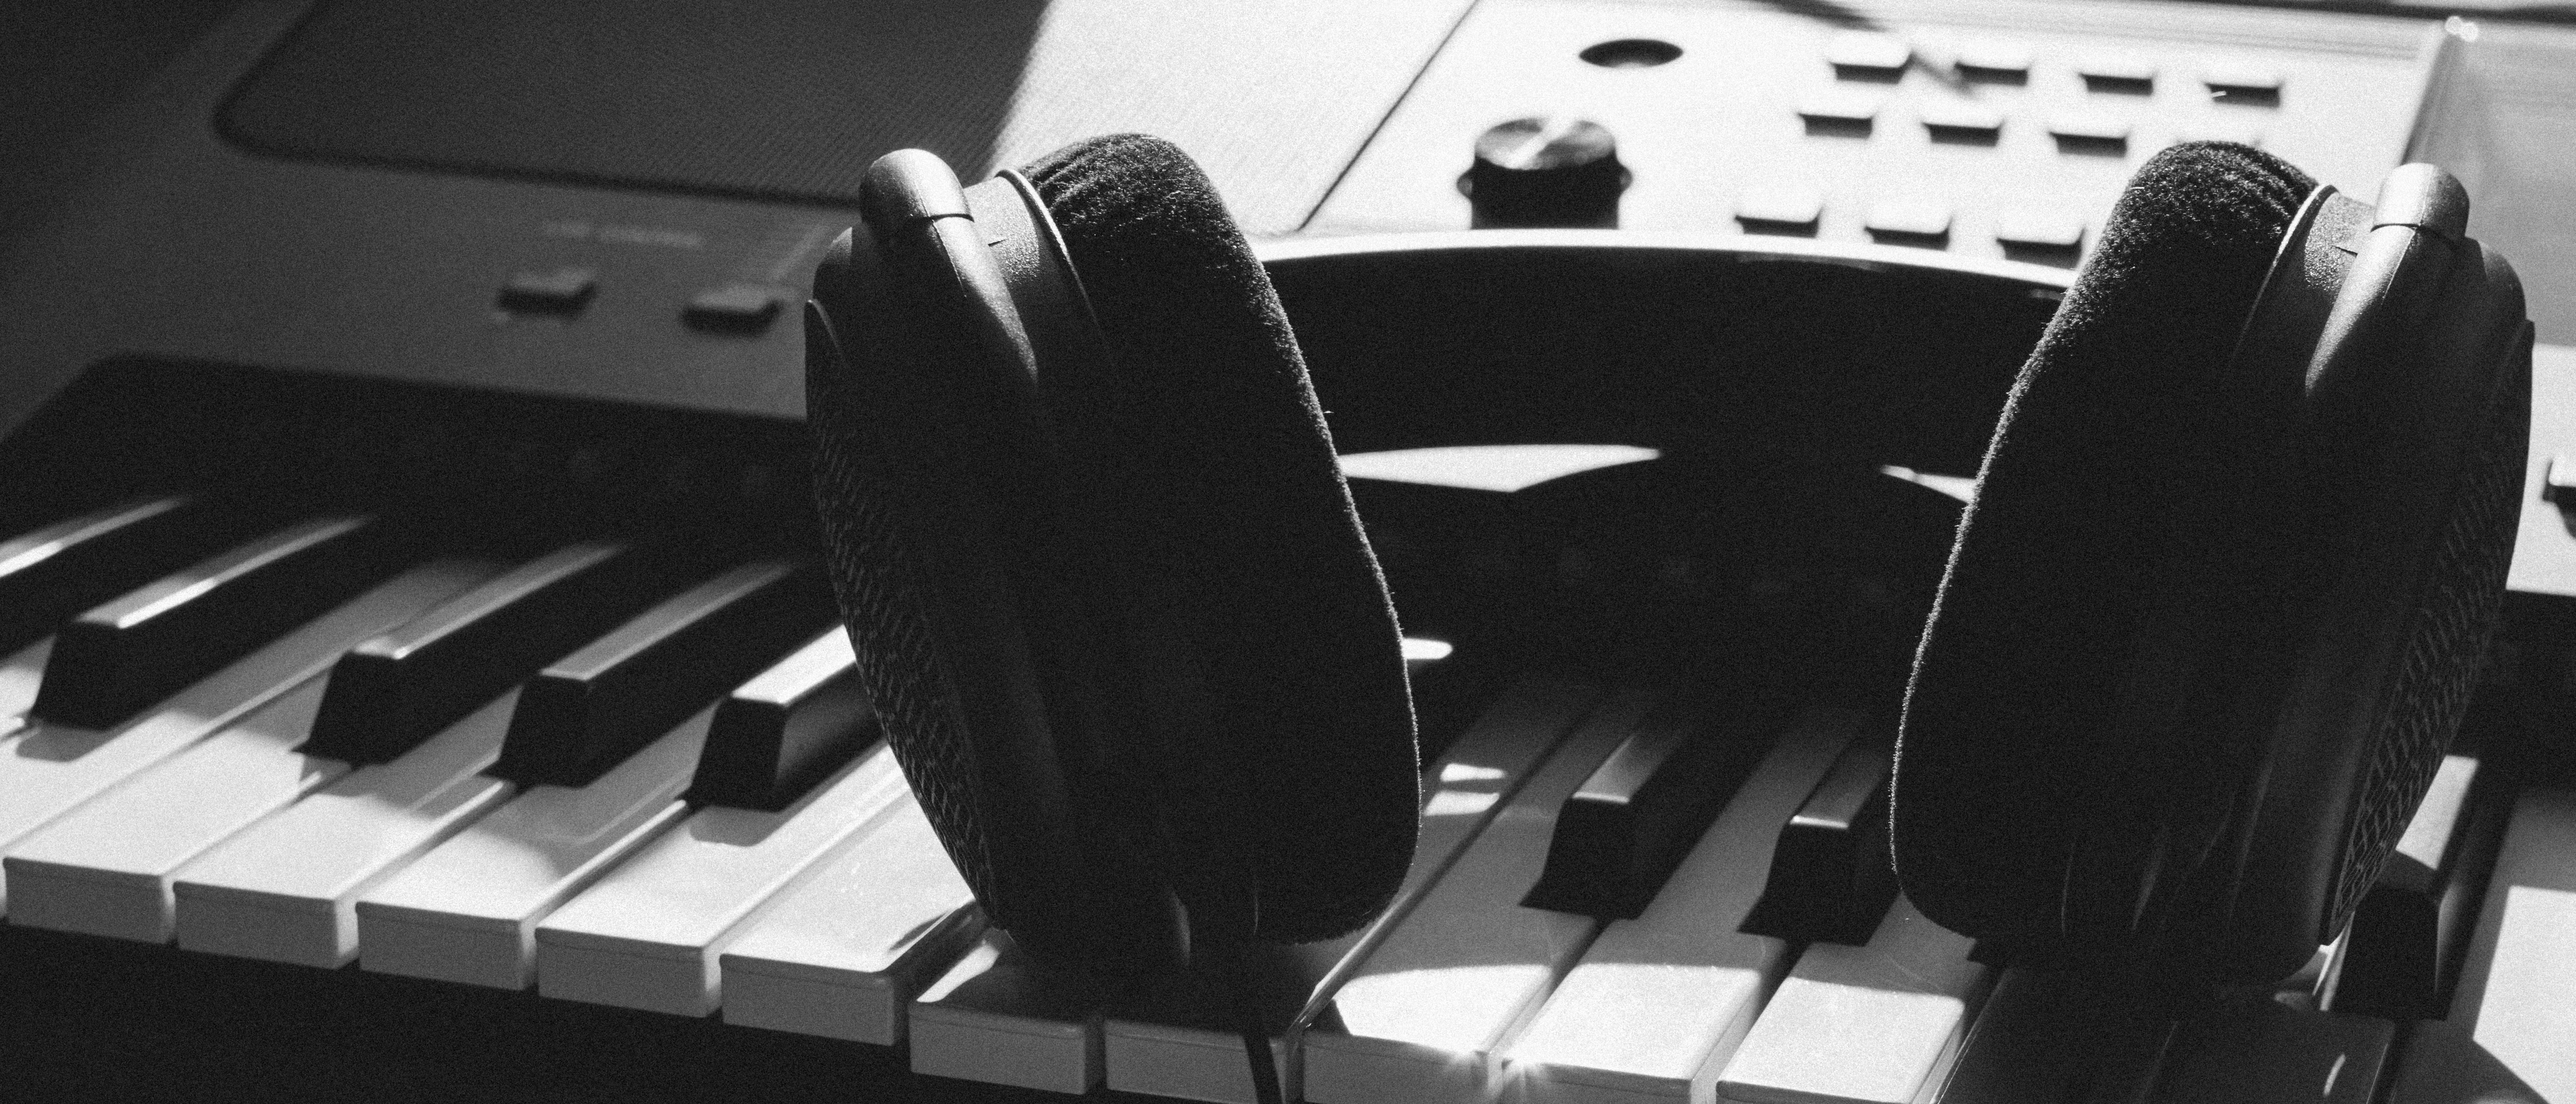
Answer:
(1204, 438)
(2113, 596)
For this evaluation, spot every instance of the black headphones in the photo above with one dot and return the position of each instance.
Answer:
(2234, 554)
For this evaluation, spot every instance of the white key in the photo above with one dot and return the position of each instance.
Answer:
(648, 934)
(286, 889)
(2037, 1036)
(1430, 1010)
(106, 867)
(994, 1017)
(1168, 1045)
(1188, 1047)
(2512, 1028)
(1658, 1004)
(2425, 850)
(1873, 1024)
(20, 676)
(2443, 1064)
(844, 952)
(468, 910)
(48, 770)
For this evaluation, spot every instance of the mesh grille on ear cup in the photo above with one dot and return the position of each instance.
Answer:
(2445, 645)
(1205, 440)
(871, 569)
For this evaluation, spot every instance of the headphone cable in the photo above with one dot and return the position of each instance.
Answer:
(1243, 990)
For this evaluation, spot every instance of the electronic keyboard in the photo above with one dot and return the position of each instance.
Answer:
(418, 683)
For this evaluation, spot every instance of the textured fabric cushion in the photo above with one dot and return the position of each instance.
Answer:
(2087, 664)
(1262, 614)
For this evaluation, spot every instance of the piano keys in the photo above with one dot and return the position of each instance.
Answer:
(1425, 1015)
(54, 572)
(50, 769)
(819, 906)
(650, 933)
(1872, 1024)
(466, 912)
(2401, 955)
(2508, 1036)
(996, 1017)
(1657, 1005)
(286, 888)
(1166, 1041)
(127, 653)
(843, 954)
(107, 868)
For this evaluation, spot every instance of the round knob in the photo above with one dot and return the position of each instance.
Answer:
(1545, 172)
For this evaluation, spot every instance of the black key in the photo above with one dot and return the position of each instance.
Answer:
(2038, 1039)
(49, 576)
(588, 710)
(2260, 1051)
(788, 728)
(390, 693)
(2402, 954)
(1831, 879)
(1644, 807)
(122, 656)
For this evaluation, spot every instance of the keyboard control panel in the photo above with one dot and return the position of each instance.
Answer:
(1993, 130)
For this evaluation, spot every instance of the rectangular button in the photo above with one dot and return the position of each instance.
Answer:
(733, 308)
(390, 693)
(1909, 220)
(286, 889)
(2082, 133)
(1425, 1016)
(1842, 107)
(2042, 230)
(1867, 53)
(1830, 876)
(1166, 1041)
(48, 770)
(2243, 83)
(2117, 72)
(586, 711)
(558, 291)
(2511, 1019)
(786, 729)
(1873, 1024)
(1955, 119)
(1621, 833)
(842, 954)
(1774, 210)
(647, 935)
(1665, 1031)
(116, 659)
(2398, 953)
(1994, 60)
(467, 911)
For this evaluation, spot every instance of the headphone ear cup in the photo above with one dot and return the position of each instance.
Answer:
(950, 654)
(2104, 602)
(1260, 617)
